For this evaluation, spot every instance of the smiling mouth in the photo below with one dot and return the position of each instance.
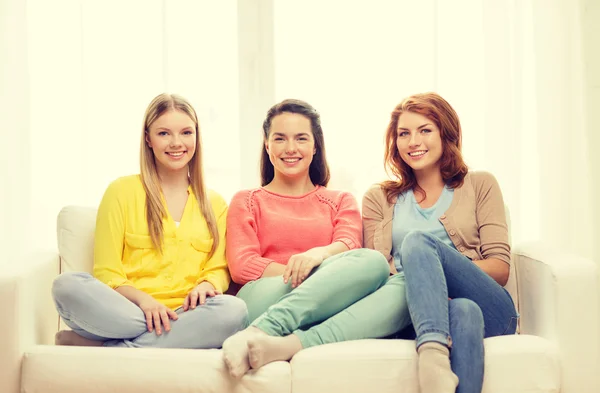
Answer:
(290, 160)
(176, 153)
(417, 153)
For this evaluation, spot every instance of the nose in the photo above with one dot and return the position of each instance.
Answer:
(415, 140)
(175, 141)
(290, 147)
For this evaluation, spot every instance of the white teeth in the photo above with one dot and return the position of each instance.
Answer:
(417, 153)
(176, 154)
(290, 159)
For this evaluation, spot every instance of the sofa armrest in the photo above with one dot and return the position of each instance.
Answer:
(558, 300)
(29, 315)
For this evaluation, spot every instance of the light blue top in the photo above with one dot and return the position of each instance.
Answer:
(409, 216)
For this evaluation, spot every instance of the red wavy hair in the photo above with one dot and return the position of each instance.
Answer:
(452, 166)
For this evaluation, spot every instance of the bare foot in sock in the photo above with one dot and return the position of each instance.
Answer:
(265, 349)
(68, 337)
(435, 374)
(235, 351)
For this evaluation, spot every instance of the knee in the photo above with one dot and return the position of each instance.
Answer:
(67, 286)
(415, 241)
(234, 312)
(374, 262)
(466, 312)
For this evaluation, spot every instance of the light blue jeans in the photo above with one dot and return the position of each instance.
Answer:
(479, 308)
(350, 296)
(95, 311)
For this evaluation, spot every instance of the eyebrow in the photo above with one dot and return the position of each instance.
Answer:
(168, 129)
(282, 134)
(424, 125)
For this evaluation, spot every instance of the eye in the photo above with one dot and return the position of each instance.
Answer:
(162, 133)
(426, 130)
(303, 138)
(402, 134)
(278, 139)
(188, 132)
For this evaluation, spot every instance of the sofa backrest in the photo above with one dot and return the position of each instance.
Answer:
(75, 230)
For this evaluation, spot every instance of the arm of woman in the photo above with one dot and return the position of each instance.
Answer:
(372, 216)
(347, 235)
(243, 247)
(215, 270)
(493, 229)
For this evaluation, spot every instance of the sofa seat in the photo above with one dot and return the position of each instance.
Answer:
(391, 366)
(348, 367)
(61, 369)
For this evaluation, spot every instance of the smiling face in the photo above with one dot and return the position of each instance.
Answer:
(419, 142)
(290, 145)
(172, 138)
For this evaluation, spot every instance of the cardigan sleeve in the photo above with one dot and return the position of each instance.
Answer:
(491, 218)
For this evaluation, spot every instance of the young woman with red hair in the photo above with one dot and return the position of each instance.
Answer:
(445, 229)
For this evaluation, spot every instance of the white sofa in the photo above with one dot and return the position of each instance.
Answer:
(556, 350)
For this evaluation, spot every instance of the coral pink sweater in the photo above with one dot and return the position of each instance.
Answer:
(265, 227)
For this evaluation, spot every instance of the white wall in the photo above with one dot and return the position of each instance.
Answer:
(15, 161)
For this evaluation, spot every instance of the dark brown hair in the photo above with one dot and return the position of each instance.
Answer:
(452, 166)
(318, 170)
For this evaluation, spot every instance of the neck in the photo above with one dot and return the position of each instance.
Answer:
(430, 179)
(172, 180)
(289, 186)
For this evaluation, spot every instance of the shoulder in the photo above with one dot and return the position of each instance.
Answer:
(125, 186)
(481, 180)
(245, 198)
(375, 195)
(217, 202)
(335, 198)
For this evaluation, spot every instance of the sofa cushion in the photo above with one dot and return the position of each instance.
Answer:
(75, 231)
(56, 369)
(513, 364)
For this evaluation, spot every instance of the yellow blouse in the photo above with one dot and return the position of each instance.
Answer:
(124, 253)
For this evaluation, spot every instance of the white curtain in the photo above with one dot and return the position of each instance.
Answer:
(512, 69)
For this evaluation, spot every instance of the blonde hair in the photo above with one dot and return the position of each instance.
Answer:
(155, 210)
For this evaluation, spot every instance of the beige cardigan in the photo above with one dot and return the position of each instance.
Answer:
(475, 221)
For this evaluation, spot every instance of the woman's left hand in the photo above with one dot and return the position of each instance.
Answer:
(299, 266)
(198, 295)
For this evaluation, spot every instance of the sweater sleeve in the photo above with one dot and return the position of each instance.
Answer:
(215, 271)
(347, 223)
(491, 218)
(109, 238)
(243, 246)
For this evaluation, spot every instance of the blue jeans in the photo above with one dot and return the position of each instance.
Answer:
(95, 311)
(479, 308)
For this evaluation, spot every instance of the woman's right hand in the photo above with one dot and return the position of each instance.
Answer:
(157, 314)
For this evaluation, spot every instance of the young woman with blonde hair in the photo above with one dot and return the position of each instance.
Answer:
(159, 250)
(444, 228)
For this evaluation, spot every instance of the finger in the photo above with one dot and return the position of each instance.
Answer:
(306, 271)
(295, 271)
(172, 314)
(193, 299)
(288, 270)
(165, 320)
(211, 293)
(202, 297)
(157, 327)
(217, 292)
(186, 303)
(149, 320)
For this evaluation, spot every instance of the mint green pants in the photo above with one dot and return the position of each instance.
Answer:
(350, 296)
